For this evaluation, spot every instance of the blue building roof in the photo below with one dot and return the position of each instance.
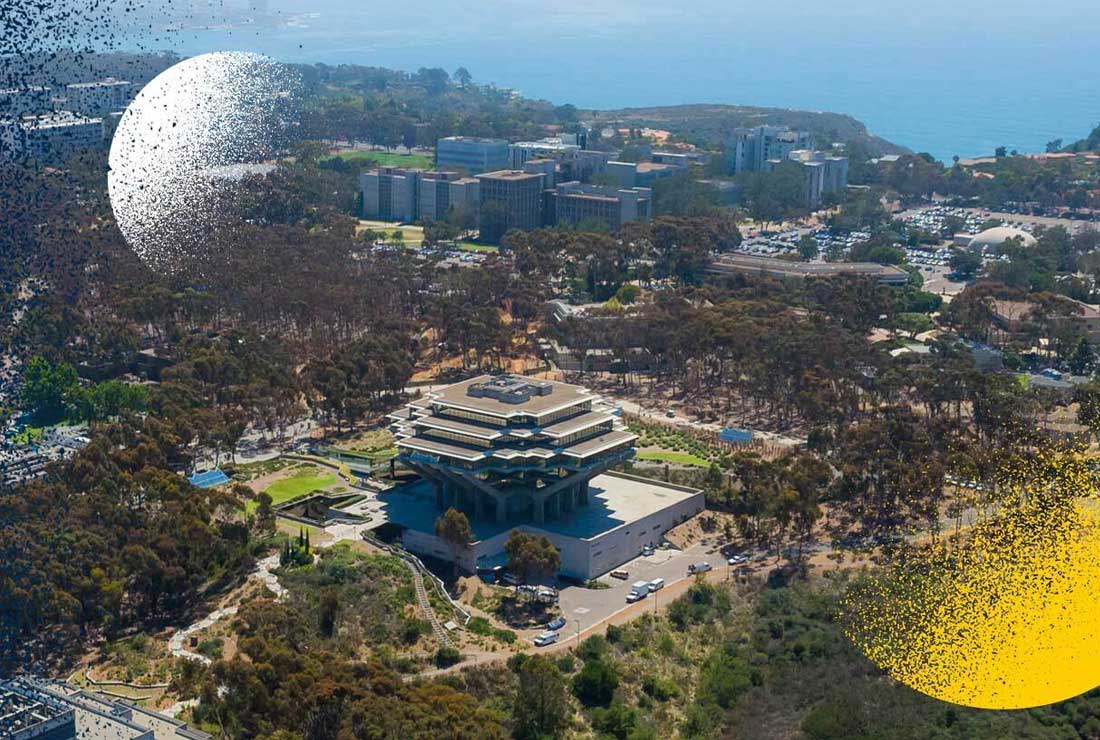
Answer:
(209, 478)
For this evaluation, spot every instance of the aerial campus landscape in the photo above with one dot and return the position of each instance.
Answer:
(439, 410)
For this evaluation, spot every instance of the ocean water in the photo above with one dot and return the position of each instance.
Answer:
(950, 77)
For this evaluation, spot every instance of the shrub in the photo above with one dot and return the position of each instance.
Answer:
(594, 648)
(211, 648)
(661, 689)
(618, 721)
(413, 628)
(447, 656)
(596, 683)
(566, 663)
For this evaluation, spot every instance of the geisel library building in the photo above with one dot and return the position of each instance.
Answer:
(536, 455)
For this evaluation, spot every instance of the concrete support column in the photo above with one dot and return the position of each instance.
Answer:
(584, 493)
(555, 506)
(568, 499)
(438, 495)
(479, 505)
(502, 509)
(539, 508)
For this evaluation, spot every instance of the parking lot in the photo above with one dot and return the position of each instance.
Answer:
(584, 607)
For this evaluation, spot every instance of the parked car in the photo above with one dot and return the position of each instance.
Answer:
(656, 584)
(556, 624)
(510, 579)
(737, 559)
(638, 591)
(546, 638)
(622, 575)
(647, 550)
(695, 568)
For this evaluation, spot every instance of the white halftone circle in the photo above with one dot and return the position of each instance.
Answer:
(183, 145)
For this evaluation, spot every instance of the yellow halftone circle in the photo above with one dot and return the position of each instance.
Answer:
(1008, 622)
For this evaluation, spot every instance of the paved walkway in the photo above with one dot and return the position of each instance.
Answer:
(262, 573)
(175, 645)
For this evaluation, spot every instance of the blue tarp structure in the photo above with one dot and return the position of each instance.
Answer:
(736, 436)
(209, 478)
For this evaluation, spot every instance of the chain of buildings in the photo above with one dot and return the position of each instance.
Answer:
(557, 181)
(766, 148)
(39, 121)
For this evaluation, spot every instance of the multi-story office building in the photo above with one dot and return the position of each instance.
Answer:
(513, 452)
(389, 193)
(101, 97)
(548, 148)
(434, 199)
(574, 161)
(510, 199)
(53, 134)
(572, 203)
(25, 101)
(750, 148)
(641, 174)
(550, 169)
(465, 196)
(823, 173)
(471, 155)
(401, 194)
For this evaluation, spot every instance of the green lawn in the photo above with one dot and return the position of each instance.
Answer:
(305, 481)
(413, 235)
(474, 247)
(680, 458)
(29, 435)
(390, 159)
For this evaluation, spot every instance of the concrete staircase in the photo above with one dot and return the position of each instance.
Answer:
(426, 606)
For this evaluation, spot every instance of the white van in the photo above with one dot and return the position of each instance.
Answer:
(656, 584)
(698, 568)
(638, 591)
(546, 638)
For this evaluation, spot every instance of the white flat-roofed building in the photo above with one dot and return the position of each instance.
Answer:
(100, 97)
(750, 148)
(53, 134)
(25, 101)
(572, 203)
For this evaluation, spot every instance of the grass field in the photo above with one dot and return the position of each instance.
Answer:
(680, 458)
(30, 435)
(413, 236)
(306, 480)
(390, 159)
(472, 247)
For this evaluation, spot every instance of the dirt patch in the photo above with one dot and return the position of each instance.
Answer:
(709, 527)
(262, 482)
